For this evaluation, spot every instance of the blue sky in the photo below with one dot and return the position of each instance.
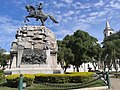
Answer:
(86, 15)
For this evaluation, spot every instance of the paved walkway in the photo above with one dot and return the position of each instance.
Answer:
(115, 83)
(93, 88)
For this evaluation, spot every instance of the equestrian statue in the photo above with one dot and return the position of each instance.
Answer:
(38, 14)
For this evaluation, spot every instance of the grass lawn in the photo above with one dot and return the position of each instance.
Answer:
(7, 88)
(44, 87)
(54, 87)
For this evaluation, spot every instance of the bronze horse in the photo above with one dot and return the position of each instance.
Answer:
(38, 14)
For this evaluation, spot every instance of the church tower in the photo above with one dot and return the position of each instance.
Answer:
(108, 30)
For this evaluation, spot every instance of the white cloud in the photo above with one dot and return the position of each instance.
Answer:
(63, 32)
(84, 6)
(64, 20)
(81, 26)
(77, 12)
(100, 3)
(115, 5)
(69, 13)
(94, 13)
(58, 12)
(79, 5)
(90, 19)
(59, 18)
(68, 1)
(8, 28)
(102, 13)
(99, 14)
(70, 26)
(8, 25)
(83, 16)
(58, 5)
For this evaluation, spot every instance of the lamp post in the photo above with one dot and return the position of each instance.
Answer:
(20, 85)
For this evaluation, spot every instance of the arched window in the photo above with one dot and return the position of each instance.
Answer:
(110, 33)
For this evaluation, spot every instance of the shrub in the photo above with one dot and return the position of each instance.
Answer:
(64, 78)
(2, 76)
(13, 80)
(51, 78)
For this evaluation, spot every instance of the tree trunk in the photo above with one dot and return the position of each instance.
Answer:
(115, 66)
(104, 66)
(65, 69)
(77, 68)
(94, 65)
(73, 68)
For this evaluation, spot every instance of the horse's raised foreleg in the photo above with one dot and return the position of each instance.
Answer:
(37, 19)
(26, 19)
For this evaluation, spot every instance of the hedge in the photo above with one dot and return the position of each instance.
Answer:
(79, 77)
(64, 78)
(13, 80)
(2, 76)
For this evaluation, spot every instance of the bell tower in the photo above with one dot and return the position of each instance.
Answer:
(108, 30)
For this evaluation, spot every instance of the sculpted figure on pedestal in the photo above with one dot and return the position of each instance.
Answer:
(38, 14)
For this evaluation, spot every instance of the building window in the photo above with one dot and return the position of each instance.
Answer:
(110, 33)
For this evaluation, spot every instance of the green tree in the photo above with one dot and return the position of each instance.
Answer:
(83, 46)
(95, 54)
(3, 57)
(65, 55)
(1, 53)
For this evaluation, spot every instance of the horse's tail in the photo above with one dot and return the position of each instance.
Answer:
(53, 19)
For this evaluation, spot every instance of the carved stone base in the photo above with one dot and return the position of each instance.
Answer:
(34, 51)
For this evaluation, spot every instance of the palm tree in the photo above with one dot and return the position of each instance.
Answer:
(111, 51)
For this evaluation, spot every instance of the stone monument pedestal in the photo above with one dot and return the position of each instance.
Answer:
(34, 51)
(34, 69)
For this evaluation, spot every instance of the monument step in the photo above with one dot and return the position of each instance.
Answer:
(38, 66)
(33, 70)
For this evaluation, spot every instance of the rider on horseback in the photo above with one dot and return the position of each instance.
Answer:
(39, 11)
(38, 14)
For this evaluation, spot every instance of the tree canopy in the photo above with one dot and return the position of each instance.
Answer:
(3, 57)
(83, 46)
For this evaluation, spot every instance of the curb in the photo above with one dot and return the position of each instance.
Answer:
(93, 88)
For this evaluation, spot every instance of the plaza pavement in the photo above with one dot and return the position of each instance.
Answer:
(115, 83)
